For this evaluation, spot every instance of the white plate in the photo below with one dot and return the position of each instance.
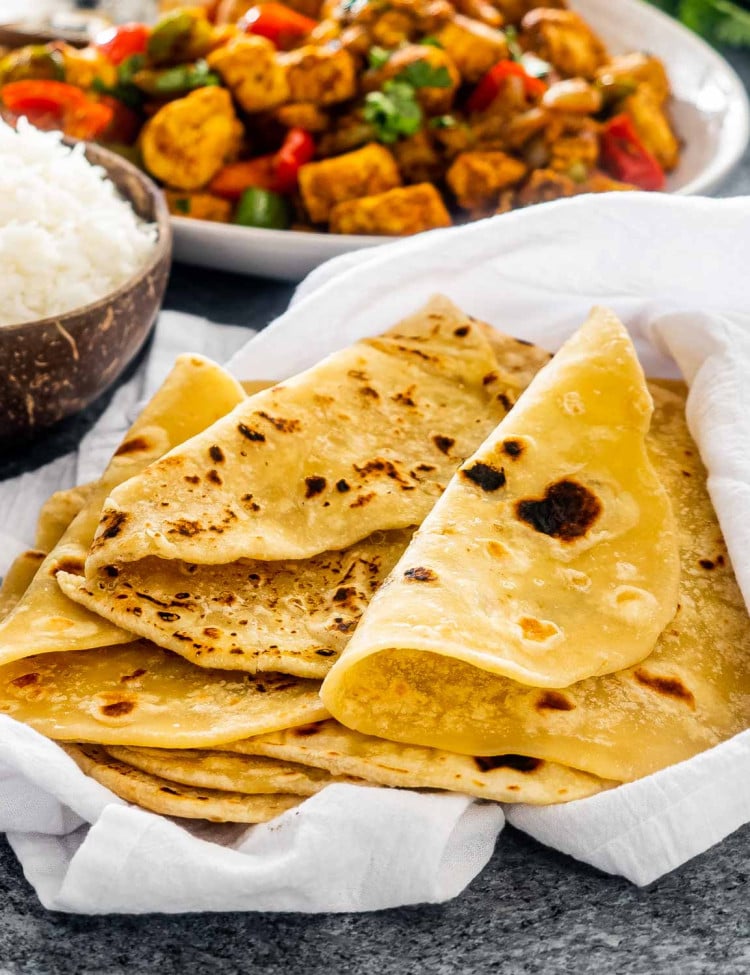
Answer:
(710, 110)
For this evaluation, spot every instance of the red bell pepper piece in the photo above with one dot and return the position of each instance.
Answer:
(625, 157)
(297, 149)
(56, 105)
(276, 172)
(490, 85)
(119, 43)
(276, 22)
(232, 181)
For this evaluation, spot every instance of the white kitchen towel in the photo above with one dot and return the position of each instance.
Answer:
(674, 269)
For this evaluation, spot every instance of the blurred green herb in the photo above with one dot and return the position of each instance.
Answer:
(719, 21)
(378, 57)
(421, 74)
(443, 122)
(514, 48)
(394, 111)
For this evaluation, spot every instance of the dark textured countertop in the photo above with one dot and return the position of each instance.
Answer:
(530, 911)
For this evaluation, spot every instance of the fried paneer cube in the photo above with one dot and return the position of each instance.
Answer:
(319, 74)
(302, 115)
(365, 172)
(652, 125)
(636, 69)
(512, 11)
(199, 206)
(472, 46)
(250, 68)
(188, 140)
(563, 38)
(405, 210)
(478, 178)
(418, 159)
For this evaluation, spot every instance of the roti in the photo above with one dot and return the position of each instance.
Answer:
(57, 512)
(228, 772)
(364, 441)
(139, 694)
(504, 778)
(193, 396)
(290, 617)
(553, 554)
(689, 694)
(18, 579)
(172, 799)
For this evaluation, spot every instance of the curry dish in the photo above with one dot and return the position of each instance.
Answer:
(383, 117)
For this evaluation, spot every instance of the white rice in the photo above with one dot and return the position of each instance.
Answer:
(67, 238)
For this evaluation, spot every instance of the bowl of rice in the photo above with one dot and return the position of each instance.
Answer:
(85, 250)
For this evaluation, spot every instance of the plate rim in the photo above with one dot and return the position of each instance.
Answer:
(731, 149)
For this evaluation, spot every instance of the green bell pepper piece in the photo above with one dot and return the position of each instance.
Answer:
(262, 208)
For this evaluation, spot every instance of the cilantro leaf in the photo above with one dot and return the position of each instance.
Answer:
(394, 111)
(421, 74)
(443, 122)
(720, 21)
(514, 48)
(431, 41)
(378, 57)
(734, 26)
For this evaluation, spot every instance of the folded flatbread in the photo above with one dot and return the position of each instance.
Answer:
(296, 616)
(18, 579)
(193, 396)
(364, 441)
(139, 694)
(171, 798)
(553, 554)
(252, 774)
(690, 693)
(504, 778)
(290, 617)
(57, 512)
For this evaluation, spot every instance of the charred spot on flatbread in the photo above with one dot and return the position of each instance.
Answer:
(216, 454)
(25, 680)
(420, 574)
(314, 485)
(513, 448)
(254, 435)
(554, 701)
(485, 476)
(442, 443)
(567, 511)
(134, 445)
(112, 523)
(281, 423)
(118, 709)
(668, 686)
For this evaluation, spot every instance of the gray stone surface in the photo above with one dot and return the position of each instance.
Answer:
(530, 911)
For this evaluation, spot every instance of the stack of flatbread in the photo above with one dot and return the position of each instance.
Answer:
(435, 560)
